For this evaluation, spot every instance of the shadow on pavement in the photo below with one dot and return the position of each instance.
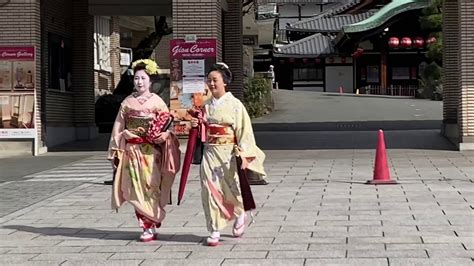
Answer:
(350, 125)
(330, 140)
(102, 234)
(101, 143)
(322, 136)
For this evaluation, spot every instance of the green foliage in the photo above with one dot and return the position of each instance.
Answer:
(432, 21)
(435, 50)
(431, 82)
(256, 94)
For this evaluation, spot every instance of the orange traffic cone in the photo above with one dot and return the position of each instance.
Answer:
(341, 90)
(381, 171)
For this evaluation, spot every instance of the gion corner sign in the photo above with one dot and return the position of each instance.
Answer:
(202, 48)
(17, 53)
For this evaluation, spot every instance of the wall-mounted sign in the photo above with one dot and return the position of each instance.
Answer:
(17, 92)
(190, 62)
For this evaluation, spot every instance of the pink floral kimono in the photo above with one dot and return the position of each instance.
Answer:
(146, 171)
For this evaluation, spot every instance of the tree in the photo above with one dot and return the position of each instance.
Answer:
(432, 21)
(431, 77)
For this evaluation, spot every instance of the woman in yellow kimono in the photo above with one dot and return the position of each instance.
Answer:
(146, 167)
(229, 133)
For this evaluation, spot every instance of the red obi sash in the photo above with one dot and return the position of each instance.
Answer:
(140, 140)
(220, 134)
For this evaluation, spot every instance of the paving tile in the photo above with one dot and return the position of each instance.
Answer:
(105, 262)
(150, 255)
(272, 247)
(228, 254)
(419, 253)
(350, 261)
(183, 262)
(429, 262)
(264, 262)
(307, 254)
(72, 256)
(7, 259)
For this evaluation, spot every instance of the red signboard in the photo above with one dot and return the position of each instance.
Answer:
(190, 62)
(26, 53)
(202, 48)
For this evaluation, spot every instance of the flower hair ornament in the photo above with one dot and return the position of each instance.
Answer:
(151, 68)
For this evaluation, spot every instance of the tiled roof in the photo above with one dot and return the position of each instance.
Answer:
(262, 2)
(314, 45)
(386, 13)
(329, 23)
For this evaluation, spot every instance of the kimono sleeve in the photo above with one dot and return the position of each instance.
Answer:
(117, 141)
(244, 132)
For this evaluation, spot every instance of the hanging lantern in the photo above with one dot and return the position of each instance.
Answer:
(291, 60)
(430, 40)
(406, 42)
(305, 60)
(393, 42)
(419, 42)
(358, 53)
(317, 60)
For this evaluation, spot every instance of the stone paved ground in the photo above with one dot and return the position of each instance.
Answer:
(315, 211)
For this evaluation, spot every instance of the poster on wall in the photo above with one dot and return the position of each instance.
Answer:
(17, 92)
(190, 62)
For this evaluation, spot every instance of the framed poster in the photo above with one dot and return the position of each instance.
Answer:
(190, 62)
(17, 92)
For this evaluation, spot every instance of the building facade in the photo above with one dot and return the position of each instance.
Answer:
(70, 76)
(78, 52)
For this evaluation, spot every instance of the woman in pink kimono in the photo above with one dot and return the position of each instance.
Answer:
(147, 166)
(229, 134)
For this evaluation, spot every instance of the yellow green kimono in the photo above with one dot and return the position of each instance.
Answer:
(221, 197)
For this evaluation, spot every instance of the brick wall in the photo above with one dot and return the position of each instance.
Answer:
(200, 17)
(466, 63)
(56, 19)
(205, 18)
(233, 46)
(162, 54)
(450, 61)
(20, 25)
(83, 63)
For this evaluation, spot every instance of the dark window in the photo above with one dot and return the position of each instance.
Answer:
(60, 62)
(309, 74)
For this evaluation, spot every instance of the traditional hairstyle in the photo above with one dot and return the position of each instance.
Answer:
(149, 65)
(224, 70)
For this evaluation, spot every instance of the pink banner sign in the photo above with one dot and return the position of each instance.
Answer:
(19, 53)
(202, 48)
(190, 63)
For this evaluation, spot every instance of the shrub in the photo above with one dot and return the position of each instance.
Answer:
(431, 82)
(257, 96)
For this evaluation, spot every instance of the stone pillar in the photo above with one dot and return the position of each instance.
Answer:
(466, 75)
(233, 45)
(451, 68)
(82, 70)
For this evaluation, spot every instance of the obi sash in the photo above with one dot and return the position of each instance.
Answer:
(220, 134)
(140, 140)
